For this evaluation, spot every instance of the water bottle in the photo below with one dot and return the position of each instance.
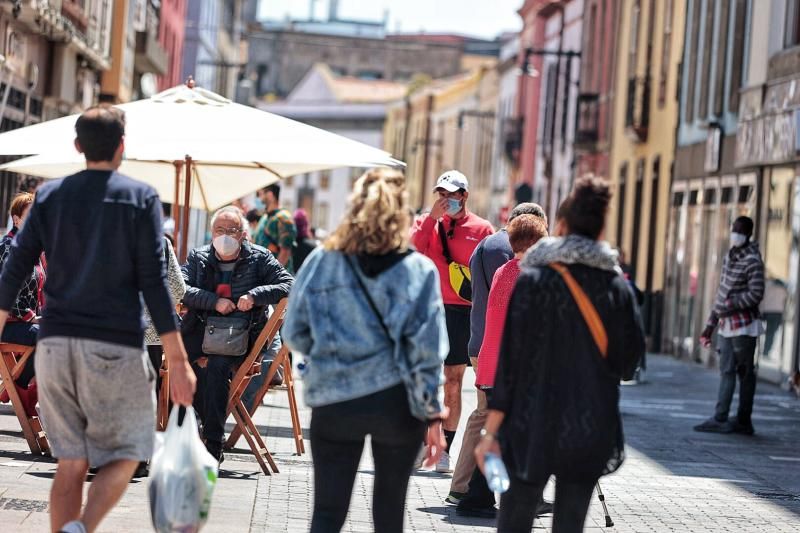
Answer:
(496, 474)
(302, 367)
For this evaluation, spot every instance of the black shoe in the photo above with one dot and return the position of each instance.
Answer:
(215, 449)
(476, 512)
(712, 425)
(544, 508)
(142, 470)
(744, 429)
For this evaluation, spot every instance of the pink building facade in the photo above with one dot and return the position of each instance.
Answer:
(171, 36)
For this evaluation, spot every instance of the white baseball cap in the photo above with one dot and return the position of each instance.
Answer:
(451, 181)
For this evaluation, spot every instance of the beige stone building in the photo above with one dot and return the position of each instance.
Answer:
(446, 124)
(645, 114)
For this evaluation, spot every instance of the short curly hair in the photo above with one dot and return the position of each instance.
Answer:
(525, 231)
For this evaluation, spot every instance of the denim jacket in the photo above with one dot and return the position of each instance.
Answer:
(348, 353)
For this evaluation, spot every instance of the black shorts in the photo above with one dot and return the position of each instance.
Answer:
(457, 318)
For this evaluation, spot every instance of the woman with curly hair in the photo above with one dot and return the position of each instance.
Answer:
(572, 332)
(367, 312)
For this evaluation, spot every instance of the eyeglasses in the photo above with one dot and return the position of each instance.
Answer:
(227, 231)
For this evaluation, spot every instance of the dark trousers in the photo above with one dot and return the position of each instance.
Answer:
(774, 322)
(337, 440)
(736, 358)
(211, 398)
(24, 333)
(518, 506)
(213, 388)
(478, 494)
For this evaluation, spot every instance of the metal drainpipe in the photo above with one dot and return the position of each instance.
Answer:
(406, 127)
(426, 142)
(548, 200)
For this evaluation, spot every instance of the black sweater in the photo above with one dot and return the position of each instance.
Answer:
(559, 395)
(101, 233)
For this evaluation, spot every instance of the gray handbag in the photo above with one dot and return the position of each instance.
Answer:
(226, 335)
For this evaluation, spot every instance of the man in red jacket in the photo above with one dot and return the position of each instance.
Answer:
(448, 235)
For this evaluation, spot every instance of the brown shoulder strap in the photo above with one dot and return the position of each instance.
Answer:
(587, 309)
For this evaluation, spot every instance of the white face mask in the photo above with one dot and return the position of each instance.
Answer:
(453, 206)
(226, 245)
(737, 239)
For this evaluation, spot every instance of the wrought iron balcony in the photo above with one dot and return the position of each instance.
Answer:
(588, 131)
(637, 116)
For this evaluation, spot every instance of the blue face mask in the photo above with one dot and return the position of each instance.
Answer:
(453, 206)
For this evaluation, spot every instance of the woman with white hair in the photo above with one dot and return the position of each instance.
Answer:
(367, 312)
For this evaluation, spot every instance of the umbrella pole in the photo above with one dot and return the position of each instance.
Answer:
(187, 192)
(176, 213)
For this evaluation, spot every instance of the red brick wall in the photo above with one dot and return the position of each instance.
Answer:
(171, 36)
(528, 93)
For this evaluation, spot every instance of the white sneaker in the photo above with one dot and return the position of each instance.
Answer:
(443, 465)
(423, 451)
(76, 526)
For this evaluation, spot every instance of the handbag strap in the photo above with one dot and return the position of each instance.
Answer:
(586, 307)
(370, 301)
(443, 238)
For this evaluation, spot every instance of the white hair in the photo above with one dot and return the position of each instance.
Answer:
(229, 209)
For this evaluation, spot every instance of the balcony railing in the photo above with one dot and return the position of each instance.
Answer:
(637, 116)
(74, 11)
(588, 131)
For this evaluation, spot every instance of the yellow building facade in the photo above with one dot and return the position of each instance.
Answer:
(444, 124)
(645, 115)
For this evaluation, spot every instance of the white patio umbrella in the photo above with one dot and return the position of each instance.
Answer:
(192, 141)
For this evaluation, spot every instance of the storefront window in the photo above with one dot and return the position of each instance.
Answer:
(780, 265)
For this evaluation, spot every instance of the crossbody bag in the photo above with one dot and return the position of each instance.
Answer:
(587, 308)
(459, 275)
(225, 335)
(370, 301)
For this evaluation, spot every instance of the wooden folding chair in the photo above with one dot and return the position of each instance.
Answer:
(162, 400)
(12, 360)
(250, 367)
(281, 360)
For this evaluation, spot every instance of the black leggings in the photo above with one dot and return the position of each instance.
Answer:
(518, 506)
(337, 440)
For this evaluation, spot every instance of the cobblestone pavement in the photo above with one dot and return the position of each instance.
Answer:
(673, 479)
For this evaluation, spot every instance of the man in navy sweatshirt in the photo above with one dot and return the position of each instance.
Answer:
(101, 234)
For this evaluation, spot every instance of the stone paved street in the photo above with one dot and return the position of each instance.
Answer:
(673, 480)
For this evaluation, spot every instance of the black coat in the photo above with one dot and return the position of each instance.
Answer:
(560, 397)
(256, 272)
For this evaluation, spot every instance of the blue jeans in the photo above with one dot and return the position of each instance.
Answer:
(24, 333)
(736, 358)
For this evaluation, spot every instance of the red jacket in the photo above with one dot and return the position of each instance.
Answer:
(496, 310)
(469, 231)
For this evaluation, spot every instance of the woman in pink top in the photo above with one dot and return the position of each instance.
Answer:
(523, 232)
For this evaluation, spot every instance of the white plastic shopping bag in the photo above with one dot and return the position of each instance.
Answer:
(182, 477)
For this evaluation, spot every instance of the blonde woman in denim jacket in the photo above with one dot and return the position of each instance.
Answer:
(367, 313)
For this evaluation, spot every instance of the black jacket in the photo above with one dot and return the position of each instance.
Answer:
(256, 272)
(559, 395)
(101, 233)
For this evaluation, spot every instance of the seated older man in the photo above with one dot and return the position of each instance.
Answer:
(228, 278)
